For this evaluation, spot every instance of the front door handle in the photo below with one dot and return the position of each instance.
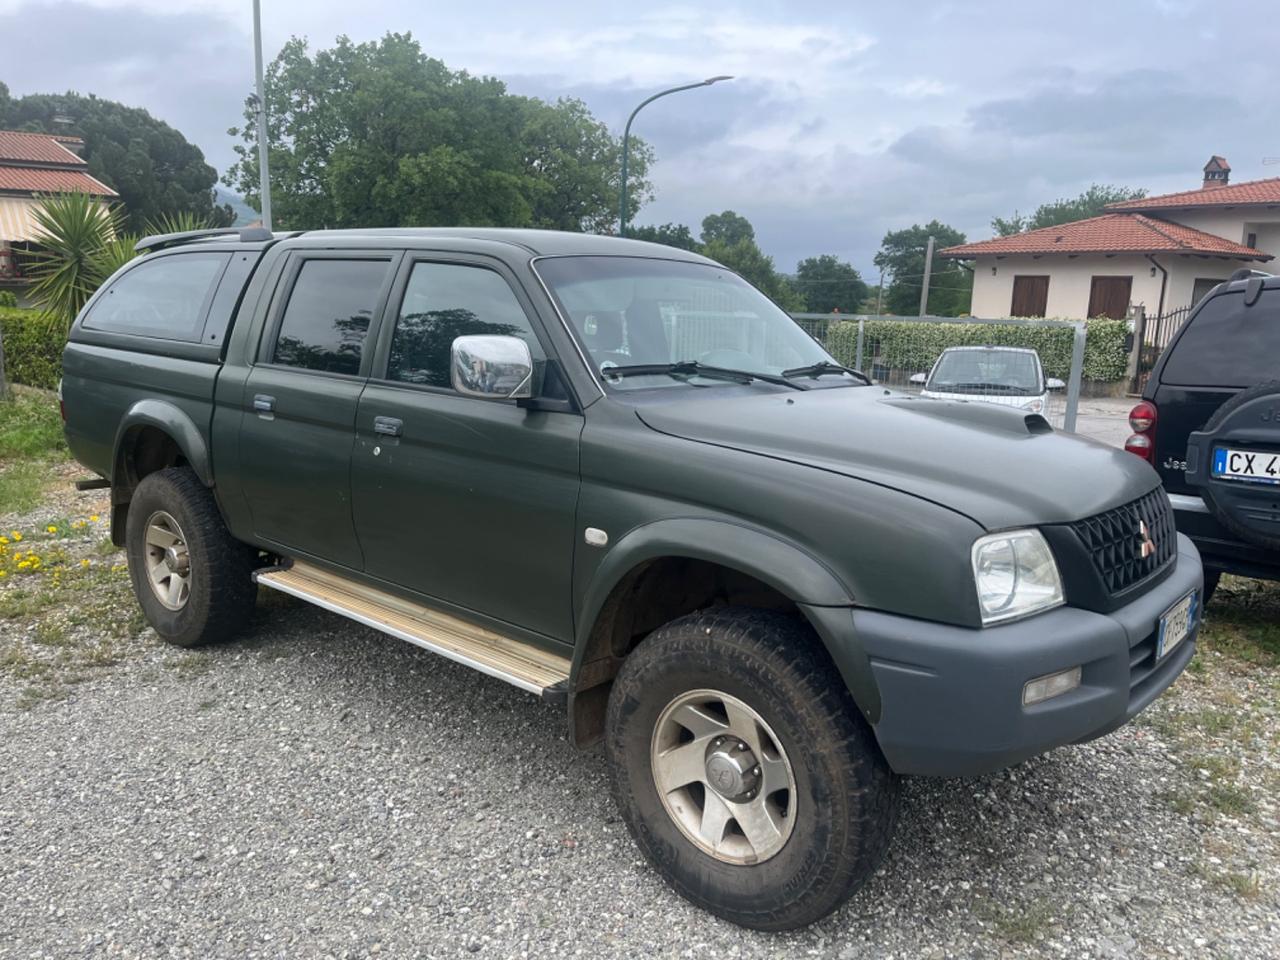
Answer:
(264, 404)
(388, 426)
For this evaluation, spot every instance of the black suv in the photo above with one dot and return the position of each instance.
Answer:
(1209, 422)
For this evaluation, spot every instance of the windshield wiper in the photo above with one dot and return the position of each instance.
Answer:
(692, 368)
(815, 370)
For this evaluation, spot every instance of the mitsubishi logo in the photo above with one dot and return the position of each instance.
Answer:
(1148, 547)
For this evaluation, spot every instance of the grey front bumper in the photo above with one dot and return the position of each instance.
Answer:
(951, 697)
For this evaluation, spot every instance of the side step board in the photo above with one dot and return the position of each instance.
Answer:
(520, 664)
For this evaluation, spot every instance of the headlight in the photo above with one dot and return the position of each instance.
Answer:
(1035, 406)
(1015, 574)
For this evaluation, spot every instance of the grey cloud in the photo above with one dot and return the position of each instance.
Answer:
(190, 69)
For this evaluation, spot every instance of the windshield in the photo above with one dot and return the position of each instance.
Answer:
(1012, 372)
(629, 311)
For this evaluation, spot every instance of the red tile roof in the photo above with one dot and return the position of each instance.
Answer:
(35, 148)
(1109, 233)
(1235, 194)
(41, 180)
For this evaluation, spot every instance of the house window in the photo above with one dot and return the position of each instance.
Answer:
(1251, 240)
(1201, 288)
(1030, 296)
(1109, 297)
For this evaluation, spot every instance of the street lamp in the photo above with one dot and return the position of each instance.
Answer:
(626, 142)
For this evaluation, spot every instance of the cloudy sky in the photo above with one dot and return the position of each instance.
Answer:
(846, 119)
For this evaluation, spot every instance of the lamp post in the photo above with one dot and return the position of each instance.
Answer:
(626, 141)
(264, 174)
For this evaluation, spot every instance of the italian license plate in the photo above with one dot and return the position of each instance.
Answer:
(1258, 466)
(1176, 624)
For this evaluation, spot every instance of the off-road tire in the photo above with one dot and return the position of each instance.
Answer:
(847, 797)
(222, 590)
(1221, 509)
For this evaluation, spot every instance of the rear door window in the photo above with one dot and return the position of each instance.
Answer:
(1228, 344)
(166, 298)
(331, 306)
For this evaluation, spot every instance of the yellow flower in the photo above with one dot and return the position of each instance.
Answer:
(16, 535)
(85, 562)
(3, 540)
(51, 528)
(3, 574)
(93, 518)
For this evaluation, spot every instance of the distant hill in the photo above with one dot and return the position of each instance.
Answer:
(244, 213)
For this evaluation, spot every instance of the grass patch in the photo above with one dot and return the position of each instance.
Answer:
(1018, 923)
(30, 441)
(31, 426)
(1244, 885)
(22, 485)
(191, 665)
(1243, 621)
(1229, 799)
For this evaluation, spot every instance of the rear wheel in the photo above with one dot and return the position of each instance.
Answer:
(192, 579)
(744, 770)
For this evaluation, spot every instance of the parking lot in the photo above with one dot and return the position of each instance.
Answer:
(320, 790)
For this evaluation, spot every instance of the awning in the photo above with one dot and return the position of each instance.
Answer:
(17, 219)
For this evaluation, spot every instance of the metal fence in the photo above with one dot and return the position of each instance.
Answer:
(1152, 335)
(1033, 365)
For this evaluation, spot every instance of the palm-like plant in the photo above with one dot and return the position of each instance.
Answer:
(182, 222)
(111, 256)
(73, 230)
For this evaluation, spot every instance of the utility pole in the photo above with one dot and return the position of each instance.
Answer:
(924, 288)
(880, 291)
(264, 173)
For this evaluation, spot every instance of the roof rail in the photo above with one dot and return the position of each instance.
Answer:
(159, 241)
(1247, 273)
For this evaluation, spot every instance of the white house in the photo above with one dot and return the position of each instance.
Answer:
(1161, 252)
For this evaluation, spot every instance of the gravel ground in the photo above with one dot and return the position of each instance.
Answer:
(319, 790)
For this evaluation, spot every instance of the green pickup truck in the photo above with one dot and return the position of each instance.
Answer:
(617, 476)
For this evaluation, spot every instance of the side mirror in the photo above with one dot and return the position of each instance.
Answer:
(1053, 383)
(919, 377)
(492, 368)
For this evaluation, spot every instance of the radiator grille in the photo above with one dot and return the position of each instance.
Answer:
(1115, 540)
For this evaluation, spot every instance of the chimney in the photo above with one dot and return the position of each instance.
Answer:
(1217, 173)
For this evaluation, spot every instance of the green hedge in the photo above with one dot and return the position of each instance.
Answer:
(912, 346)
(32, 347)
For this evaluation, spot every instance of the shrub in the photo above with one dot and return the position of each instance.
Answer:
(32, 347)
(913, 346)
(8, 299)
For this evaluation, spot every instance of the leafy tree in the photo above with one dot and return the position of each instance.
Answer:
(671, 234)
(379, 134)
(1091, 203)
(828, 284)
(902, 254)
(747, 259)
(156, 171)
(728, 227)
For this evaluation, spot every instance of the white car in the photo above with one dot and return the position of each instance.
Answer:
(1008, 376)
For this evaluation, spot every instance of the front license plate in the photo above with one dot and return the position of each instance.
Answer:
(1258, 466)
(1175, 625)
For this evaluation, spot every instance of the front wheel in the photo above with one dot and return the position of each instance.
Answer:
(192, 579)
(744, 771)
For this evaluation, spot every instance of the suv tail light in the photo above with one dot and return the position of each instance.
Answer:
(1142, 421)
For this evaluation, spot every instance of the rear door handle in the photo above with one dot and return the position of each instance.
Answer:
(264, 404)
(388, 426)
